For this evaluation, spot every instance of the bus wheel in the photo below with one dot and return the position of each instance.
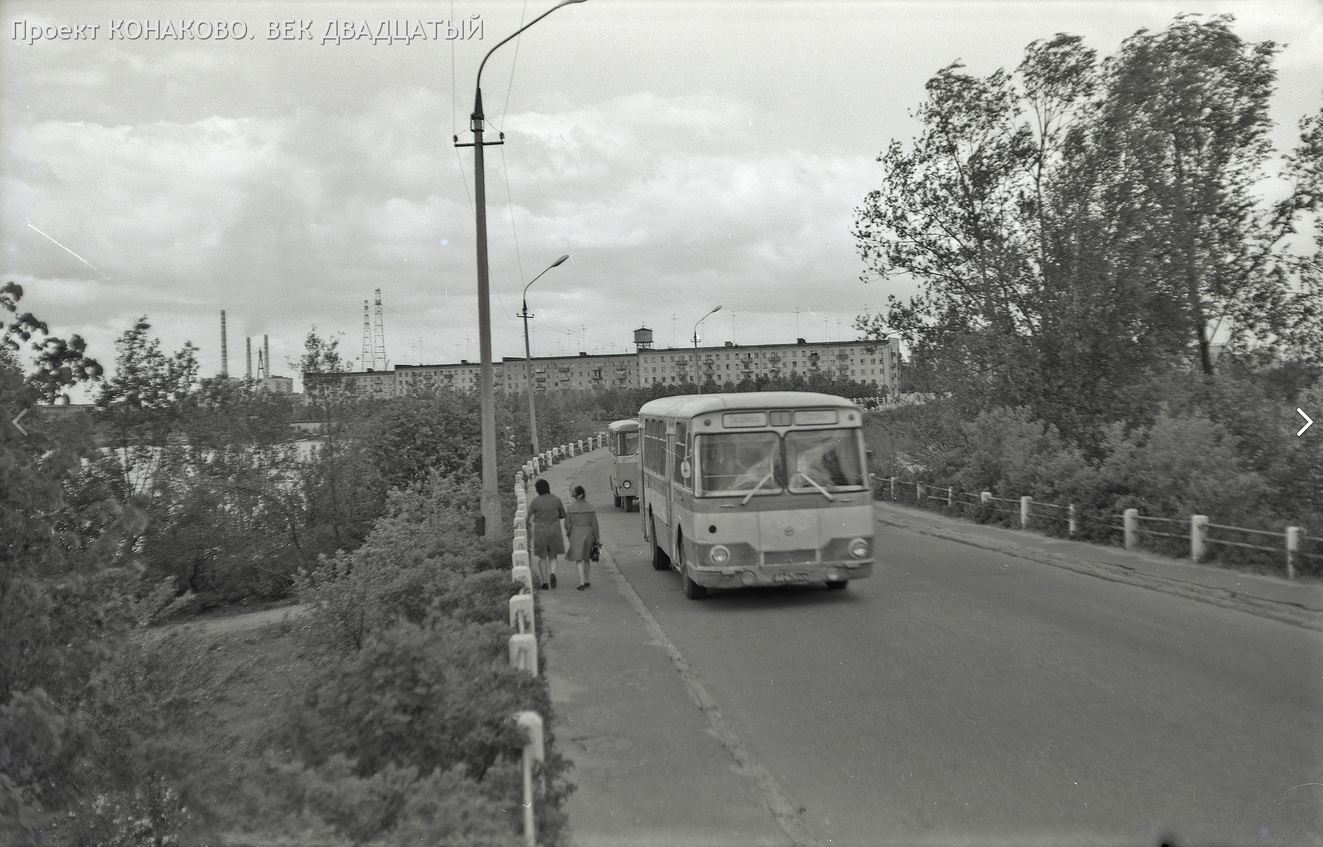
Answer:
(837, 584)
(692, 590)
(631, 504)
(660, 561)
(617, 501)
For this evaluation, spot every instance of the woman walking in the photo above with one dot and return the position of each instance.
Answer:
(545, 512)
(581, 522)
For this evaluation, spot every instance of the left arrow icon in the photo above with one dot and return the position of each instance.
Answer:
(1308, 422)
(20, 428)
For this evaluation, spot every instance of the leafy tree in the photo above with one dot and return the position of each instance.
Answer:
(1183, 125)
(138, 408)
(63, 608)
(321, 355)
(57, 364)
(1078, 224)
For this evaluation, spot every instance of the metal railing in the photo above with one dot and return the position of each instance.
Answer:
(1293, 548)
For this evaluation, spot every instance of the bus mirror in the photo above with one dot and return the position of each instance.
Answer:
(685, 470)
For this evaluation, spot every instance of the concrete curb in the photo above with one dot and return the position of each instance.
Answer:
(1297, 614)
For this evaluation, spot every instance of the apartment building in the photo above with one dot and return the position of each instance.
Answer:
(869, 362)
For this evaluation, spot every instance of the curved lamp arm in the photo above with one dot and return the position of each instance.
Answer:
(700, 320)
(516, 32)
(554, 264)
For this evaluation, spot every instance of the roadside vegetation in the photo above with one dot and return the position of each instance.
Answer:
(389, 717)
(1121, 283)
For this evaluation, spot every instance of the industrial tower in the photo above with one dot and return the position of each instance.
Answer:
(379, 361)
(373, 357)
(365, 359)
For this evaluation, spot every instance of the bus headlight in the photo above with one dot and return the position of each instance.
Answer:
(858, 548)
(627, 484)
(719, 554)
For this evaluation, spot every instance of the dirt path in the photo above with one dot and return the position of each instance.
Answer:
(227, 623)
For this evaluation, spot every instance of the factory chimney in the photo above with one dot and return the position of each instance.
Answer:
(225, 351)
(248, 354)
(266, 356)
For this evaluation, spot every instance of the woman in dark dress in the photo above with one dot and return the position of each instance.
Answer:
(545, 512)
(581, 522)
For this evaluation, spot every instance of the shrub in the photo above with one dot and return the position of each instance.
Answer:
(334, 804)
(1181, 465)
(414, 693)
(1011, 455)
(419, 554)
(436, 696)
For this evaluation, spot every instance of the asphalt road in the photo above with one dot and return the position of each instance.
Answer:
(961, 696)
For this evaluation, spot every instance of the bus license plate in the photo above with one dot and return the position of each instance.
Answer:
(792, 576)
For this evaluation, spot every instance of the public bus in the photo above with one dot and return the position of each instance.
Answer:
(758, 488)
(623, 442)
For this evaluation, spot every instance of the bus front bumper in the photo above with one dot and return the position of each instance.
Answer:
(809, 573)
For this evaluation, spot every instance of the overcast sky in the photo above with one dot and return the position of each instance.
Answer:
(686, 154)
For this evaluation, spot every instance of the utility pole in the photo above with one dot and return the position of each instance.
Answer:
(528, 357)
(491, 497)
(697, 378)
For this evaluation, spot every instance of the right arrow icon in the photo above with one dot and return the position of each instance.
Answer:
(1308, 422)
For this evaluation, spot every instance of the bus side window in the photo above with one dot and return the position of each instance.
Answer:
(681, 455)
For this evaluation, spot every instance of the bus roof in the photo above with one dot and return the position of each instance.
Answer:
(689, 405)
(625, 425)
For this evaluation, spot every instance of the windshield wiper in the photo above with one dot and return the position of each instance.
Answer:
(755, 489)
(813, 482)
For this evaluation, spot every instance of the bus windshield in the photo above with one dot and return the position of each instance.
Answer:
(627, 444)
(824, 460)
(740, 462)
(820, 460)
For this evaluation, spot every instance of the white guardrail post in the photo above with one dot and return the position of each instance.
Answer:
(523, 652)
(534, 752)
(521, 614)
(985, 497)
(892, 480)
(1070, 520)
(1026, 505)
(918, 493)
(1198, 536)
(950, 496)
(1130, 527)
(1292, 549)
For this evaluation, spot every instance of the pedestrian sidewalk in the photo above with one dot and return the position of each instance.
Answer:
(648, 768)
(1298, 602)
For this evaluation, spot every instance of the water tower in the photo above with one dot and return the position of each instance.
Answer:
(643, 338)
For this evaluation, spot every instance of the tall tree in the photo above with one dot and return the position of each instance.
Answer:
(138, 406)
(63, 608)
(1076, 224)
(1183, 126)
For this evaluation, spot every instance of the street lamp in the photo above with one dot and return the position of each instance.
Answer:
(491, 498)
(528, 356)
(698, 379)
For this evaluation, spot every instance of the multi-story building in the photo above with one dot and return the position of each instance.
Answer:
(872, 363)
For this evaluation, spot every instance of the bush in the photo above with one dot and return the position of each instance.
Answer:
(1181, 465)
(332, 804)
(1214, 447)
(421, 553)
(414, 694)
(1011, 455)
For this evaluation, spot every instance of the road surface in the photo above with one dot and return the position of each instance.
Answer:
(958, 696)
